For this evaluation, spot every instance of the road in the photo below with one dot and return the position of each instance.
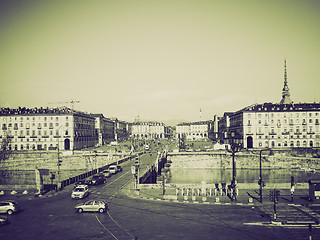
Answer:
(133, 218)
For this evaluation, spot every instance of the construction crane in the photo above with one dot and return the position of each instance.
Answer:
(72, 103)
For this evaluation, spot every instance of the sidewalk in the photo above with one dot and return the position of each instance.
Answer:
(245, 196)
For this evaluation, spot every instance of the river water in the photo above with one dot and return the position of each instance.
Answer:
(196, 176)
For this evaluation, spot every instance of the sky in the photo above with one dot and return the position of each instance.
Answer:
(165, 60)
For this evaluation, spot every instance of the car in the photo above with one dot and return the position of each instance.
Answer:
(81, 191)
(119, 168)
(9, 207)
(97, 179)
(113, 169)
(107, 173)
(4, 220)
(92, 206)
(80, 182)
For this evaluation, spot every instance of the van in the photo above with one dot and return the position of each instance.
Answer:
(113, 169)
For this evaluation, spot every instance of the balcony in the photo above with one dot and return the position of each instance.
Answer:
(45, 136)
(285, 133)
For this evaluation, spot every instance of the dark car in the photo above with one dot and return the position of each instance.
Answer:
(97, 179)
(3, 220)
(81, 182)
(119, 168)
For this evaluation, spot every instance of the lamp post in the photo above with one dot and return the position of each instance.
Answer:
(261, 182)
(59, 161)
(235, 146)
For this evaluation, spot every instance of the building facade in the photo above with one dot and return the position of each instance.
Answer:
(274, 125)
(277, 125)
(195, 131)
(105, 129)
(150, 130)
(47, 129)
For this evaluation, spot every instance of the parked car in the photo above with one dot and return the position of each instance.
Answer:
(92, 206)
(4, 220)
(97, 179)
(107, 173)
(81, 191)
(9, 207)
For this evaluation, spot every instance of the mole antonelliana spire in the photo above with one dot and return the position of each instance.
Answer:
(285, 90)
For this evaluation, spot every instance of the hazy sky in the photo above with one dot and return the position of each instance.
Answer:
(160, 60)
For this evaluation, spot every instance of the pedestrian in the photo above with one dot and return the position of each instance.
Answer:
(292, 192)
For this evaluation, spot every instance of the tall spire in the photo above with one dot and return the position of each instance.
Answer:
(285, 90)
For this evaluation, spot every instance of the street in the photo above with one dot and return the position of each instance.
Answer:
(53, 217)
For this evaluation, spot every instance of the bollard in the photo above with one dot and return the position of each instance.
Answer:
(250, 200)
(217, 200)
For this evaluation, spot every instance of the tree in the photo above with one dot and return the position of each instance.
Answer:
(5, 151)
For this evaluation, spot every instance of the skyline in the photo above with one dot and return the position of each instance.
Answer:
(159, 60)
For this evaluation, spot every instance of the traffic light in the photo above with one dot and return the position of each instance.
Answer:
(271, 195)
(261, 182)
(59, 162)
(276, 195)
(292, 181)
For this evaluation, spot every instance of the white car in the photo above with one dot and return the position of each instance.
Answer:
(81, 191)
(92, 206)
(113, 169)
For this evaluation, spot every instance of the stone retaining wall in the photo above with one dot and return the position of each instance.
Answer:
(243, 161)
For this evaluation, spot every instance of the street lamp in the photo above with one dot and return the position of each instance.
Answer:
(235, 146)
(59, 161)
(261, 182)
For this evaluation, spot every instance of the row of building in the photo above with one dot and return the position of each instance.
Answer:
(67, 129)
(275, 125)
(269, 125)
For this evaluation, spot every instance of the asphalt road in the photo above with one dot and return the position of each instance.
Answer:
(130, 218)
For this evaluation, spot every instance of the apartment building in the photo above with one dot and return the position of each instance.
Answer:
(274, 125)
(105, 129)
(195, 131)
(277, 125)
(47, 129)
(150, 130)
